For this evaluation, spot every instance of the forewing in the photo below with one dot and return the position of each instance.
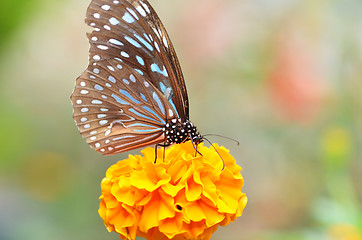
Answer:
(131, 31)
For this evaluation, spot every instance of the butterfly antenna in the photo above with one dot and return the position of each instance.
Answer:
(223, 163)
(217, 135)
(193, 144)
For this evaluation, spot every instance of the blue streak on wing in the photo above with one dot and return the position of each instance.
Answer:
(141, 115)
(147, 37)
(156, 68)
(144, 42)
(174, 107)
(167, 91)
(140, 60)
(162, 121)
(132, 41)
(163, 87)
(119, 100)
(157, 99)
(98, 87)
(150, 128)
(143, 97)
(128, 18)
(139, 71)
(125, 93)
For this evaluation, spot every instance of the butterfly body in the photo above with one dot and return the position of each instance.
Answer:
(177, 131)
(132, 93)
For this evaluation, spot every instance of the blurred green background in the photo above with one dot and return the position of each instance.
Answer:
(283, 77)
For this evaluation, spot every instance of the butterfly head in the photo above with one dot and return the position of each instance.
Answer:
(177, 131)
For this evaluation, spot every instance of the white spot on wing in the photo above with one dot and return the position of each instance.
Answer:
(103, 122)
(133, 13)
(156, 32)
(157, 47)
(124, 54)
(116, 42)
(165, 41)
(145, 6)
(106, 7)
(113, 21)
(141, 11)
(96, 102)
(112, 79)
(102, 47)
(98, 87)
(132, 78)
(170, 112)
(128, 18)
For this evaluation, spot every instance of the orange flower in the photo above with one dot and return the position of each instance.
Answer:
(181, 196)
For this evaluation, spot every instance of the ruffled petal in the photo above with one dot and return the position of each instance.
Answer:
(181, 196)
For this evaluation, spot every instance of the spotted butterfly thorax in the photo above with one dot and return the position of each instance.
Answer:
(132, 93)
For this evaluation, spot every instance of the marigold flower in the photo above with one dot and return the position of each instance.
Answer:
(181, 196)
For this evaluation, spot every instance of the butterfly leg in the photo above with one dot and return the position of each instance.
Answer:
(195, 147)
(164, 145)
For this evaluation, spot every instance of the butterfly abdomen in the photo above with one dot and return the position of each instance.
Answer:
(177, 131)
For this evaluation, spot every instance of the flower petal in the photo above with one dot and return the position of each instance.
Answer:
(181, 196)
(159, 208)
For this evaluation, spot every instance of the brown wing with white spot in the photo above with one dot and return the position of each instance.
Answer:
(132, 31)
(133, 84)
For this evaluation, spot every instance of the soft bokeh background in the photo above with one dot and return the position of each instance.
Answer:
(283, 77)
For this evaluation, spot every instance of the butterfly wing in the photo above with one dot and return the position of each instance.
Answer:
(133, 32)
(133, 84)
(115, 108)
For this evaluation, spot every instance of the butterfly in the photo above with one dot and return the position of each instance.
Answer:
(133, 92)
